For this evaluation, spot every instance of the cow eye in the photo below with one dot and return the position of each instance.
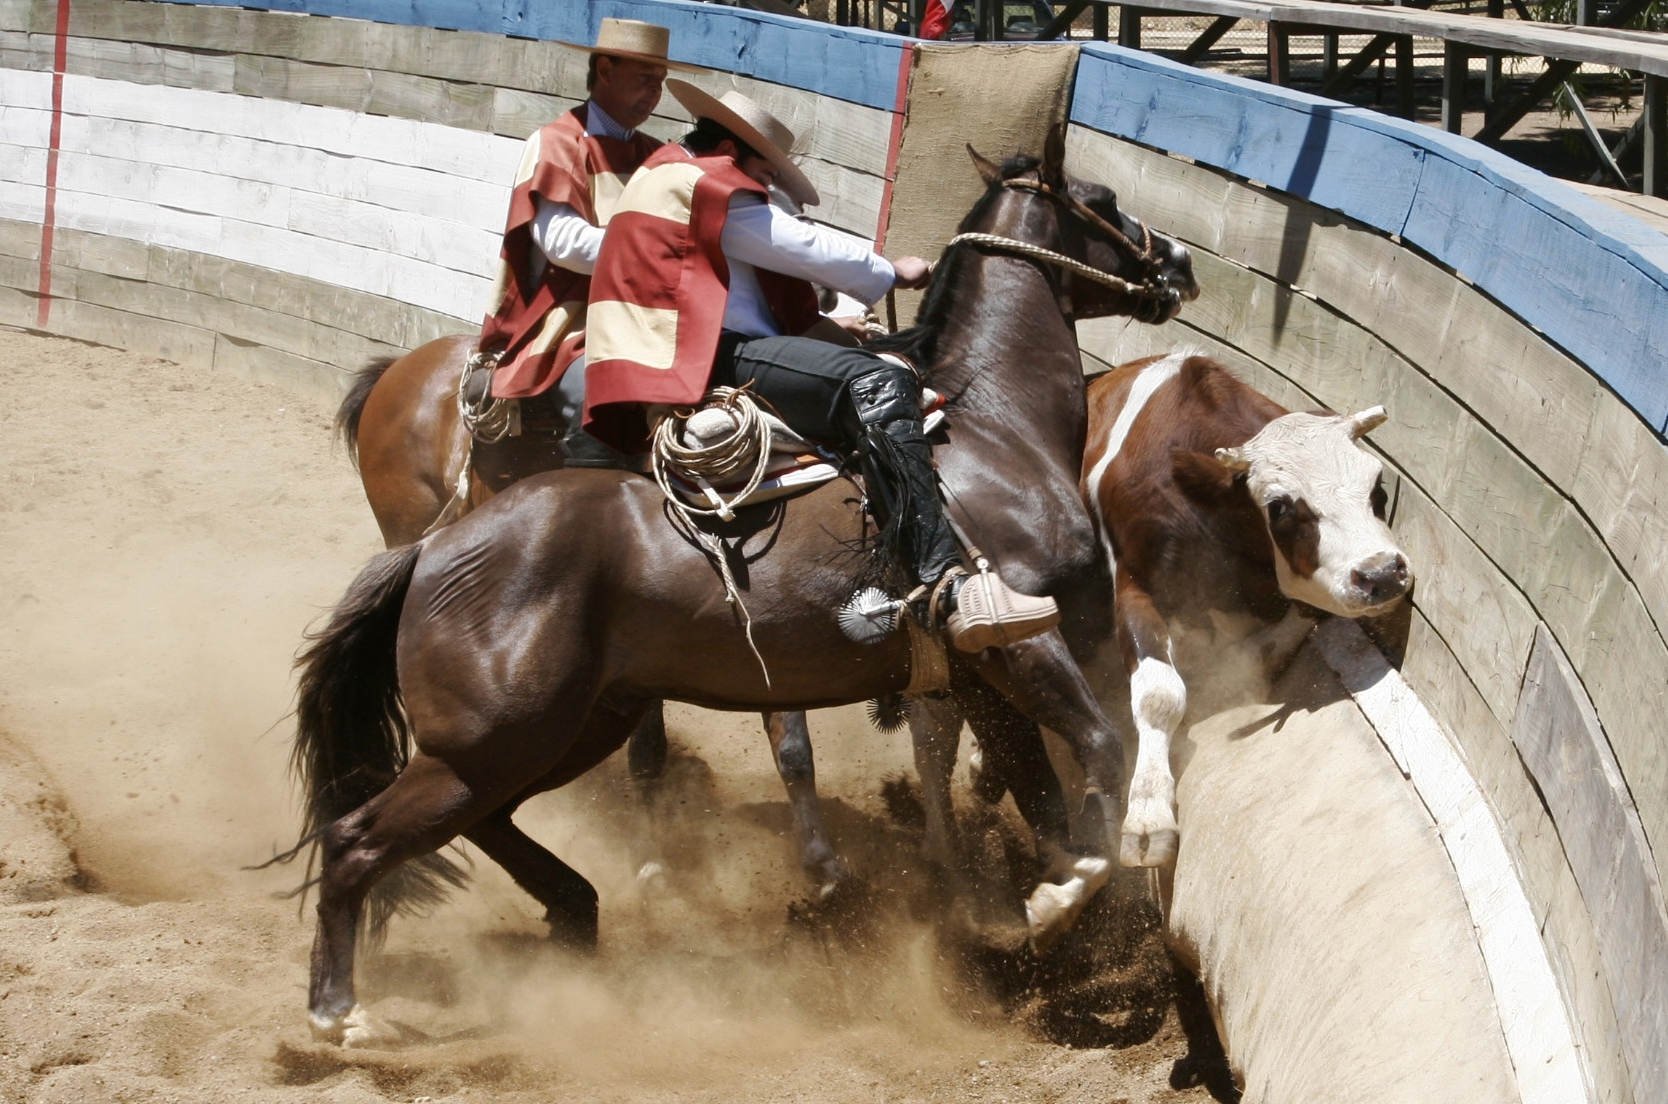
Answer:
(1380, 500)
(1279, 508)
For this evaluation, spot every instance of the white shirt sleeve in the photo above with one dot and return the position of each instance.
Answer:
(566, 238)
(764, 236)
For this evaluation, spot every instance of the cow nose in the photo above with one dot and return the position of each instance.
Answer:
(1382, 577)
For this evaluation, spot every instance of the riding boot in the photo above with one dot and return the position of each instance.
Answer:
(897, 467)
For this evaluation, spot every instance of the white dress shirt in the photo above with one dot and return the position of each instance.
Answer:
(761, 235)
(562, 233)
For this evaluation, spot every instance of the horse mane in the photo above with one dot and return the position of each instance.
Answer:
(919, 343)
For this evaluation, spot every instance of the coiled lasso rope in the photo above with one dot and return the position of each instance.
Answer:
(747, 445)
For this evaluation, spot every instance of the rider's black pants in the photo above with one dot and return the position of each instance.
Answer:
(858, 402)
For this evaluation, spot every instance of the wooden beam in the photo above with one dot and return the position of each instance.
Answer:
(1454, 68)
(1062, 22)
(1208, 37)
(1404, 77)
(1656, 140)
(1129, 26)
(1279, 54)
(1357, 65)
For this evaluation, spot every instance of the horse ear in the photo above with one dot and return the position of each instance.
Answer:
(1054, 155)
(991, 171)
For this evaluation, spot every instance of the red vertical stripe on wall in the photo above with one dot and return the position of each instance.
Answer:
(900, 107)
(43, 312)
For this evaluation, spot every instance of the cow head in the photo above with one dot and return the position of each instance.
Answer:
(1322, 504)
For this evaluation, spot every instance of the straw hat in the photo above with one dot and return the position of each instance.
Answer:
(755, 126)
(633, 38)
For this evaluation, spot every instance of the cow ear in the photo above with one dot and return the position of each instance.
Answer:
(1233, 459)
(1201, 476)
(989, 170)
(1364, 422)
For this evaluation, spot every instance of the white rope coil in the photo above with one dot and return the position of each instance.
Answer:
(747, 445)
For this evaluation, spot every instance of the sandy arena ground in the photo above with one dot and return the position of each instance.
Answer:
(168, 538)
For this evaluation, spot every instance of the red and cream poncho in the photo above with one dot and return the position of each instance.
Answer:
(538, 308)
(659, 291)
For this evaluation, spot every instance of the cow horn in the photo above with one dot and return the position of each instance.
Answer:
(1234, 459)
(1366, 421)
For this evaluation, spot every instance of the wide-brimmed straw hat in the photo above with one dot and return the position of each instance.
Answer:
(768, 136)
(633, 38)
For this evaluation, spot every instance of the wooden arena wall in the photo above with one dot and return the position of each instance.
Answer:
(276, 192)
(1516, 331)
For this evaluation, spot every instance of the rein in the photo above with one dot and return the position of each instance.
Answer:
(1155, 285)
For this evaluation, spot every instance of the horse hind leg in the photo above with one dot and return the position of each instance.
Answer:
(570, 902)
(424, 808)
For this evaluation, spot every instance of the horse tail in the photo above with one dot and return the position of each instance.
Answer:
(353, 403)
(352, 736)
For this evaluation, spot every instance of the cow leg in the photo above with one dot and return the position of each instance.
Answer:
(935, 730)
(1158, 701)
(790, 747)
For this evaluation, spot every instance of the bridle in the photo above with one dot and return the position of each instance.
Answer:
(1155, 285)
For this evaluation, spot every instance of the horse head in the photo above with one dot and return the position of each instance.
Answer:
(1122, 267)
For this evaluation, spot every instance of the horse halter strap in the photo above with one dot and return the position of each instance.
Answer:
(1155, 283)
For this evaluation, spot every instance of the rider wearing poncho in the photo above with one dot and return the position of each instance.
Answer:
(698, 277)
(571, 175)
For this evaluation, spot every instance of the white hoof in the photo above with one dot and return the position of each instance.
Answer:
(356, 1029)
(1053, 908)
(651, 876)
(1155, 847)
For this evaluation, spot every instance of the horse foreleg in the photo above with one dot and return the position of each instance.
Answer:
(1158, 701)
(790, 747)
(425, 807)
(647, 750)
(1012, 750)
(570, 902)
(935, 732)
(1041, 679)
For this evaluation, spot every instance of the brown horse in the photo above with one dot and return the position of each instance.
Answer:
(400, 422)
(512, 651)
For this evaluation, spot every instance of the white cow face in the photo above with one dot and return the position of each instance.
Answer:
(1323, 507)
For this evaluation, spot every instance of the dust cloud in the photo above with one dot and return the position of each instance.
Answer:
(170, 535)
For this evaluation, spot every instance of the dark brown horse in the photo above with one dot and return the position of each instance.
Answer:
(400, 422)
(512, 651)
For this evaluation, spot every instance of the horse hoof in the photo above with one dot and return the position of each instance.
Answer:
(356, 1029)
(1155, 848)
(1052, 908)
(651, 876)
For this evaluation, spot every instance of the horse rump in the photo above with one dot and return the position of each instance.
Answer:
(352, 738)
(353, 403)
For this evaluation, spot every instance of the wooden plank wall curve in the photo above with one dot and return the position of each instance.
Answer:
(291, 194)
(273, 192)
(1343, 265)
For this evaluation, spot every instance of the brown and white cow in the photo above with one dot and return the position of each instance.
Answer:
(1216, 505)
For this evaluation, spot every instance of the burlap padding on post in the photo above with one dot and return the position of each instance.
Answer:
(999, 98)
